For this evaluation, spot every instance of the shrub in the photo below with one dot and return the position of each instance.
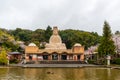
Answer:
(14, 61)
(116, 61)
(3, 57)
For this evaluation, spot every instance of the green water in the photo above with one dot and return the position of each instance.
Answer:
(59, 74)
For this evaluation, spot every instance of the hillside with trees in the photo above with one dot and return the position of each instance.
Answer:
(69, 36)
(7, 44)
(87, 39)
(7, 41)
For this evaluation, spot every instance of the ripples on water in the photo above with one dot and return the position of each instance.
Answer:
(59, 74)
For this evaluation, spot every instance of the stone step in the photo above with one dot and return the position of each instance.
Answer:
(61, 62)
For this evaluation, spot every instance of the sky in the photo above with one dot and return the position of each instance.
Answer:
(86, 15)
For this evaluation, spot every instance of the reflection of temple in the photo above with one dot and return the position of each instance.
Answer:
(54, 50)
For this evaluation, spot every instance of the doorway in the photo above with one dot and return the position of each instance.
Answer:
(54, 56)
(78, 57)
(64, 57)
(45, 56)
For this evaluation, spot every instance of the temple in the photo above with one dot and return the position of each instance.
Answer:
(55, 50)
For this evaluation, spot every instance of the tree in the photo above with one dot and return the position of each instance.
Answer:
(10, 45)
(87, 39)
(117, 32)
(48, 33)
(106, 46)
(3, 57)
(38, 35)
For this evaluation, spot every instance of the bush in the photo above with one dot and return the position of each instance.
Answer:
(116, 61)
(3, 57)
(3, 62)
(14, 61)
(97, 62)
(91, 61)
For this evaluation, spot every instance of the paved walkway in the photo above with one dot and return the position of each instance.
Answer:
(52, 65)
(61, 66)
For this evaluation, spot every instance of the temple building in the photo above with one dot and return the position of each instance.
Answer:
(55, 50)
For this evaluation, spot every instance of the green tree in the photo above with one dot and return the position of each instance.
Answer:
(3, 57)
(10, 45)
(22, 34)
(87, 39)
(106, 46)
(117, 32)
(38, 37)
(48, 33)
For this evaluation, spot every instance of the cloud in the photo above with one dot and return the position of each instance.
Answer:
(87, 15)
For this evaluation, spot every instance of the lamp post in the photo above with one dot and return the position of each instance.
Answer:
(108, 59)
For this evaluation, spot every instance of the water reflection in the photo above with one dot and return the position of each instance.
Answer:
(59, 74)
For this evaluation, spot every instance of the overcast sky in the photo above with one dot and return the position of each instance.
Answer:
(87, 15)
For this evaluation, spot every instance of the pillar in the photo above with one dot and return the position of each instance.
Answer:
(26, 57)
(75, 57)
(34, 57)
(82, 57)
(67, 57)
(49, 57)
(59, 57)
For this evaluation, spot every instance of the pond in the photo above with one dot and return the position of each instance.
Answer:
(12, 73)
